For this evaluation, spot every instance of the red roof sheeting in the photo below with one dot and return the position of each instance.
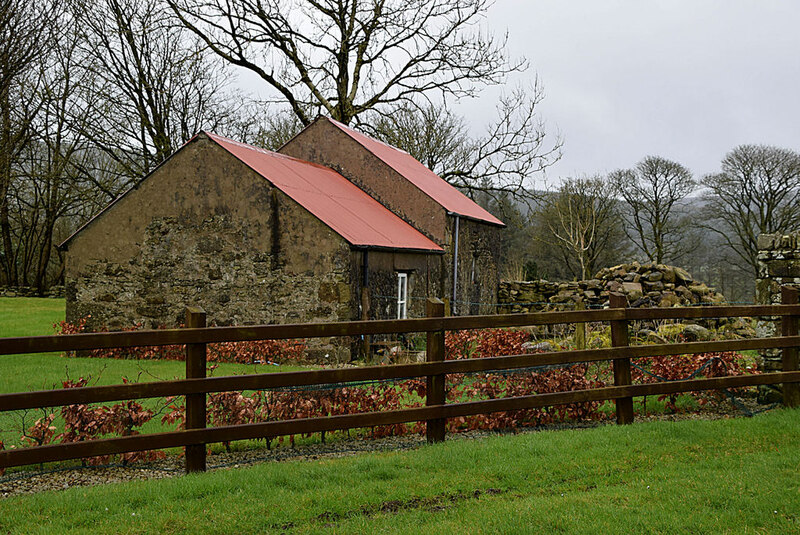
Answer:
(334, 200)
(426, 180)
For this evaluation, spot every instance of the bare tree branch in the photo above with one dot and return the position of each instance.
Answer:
(583, 221)
(352, 56)
(498, 163)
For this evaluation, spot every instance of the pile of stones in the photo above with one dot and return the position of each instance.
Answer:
(657, 285)
(645, 285)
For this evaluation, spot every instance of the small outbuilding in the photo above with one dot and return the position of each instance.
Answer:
(329, 229)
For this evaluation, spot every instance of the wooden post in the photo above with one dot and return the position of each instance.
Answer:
(195, 403)
(580, 328)
(791, 391)
(622, 367)
(434, 392)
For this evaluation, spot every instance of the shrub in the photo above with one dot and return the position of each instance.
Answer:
(41, 432)
(248, 352)
(82, 423)
(483, 343)
(683, 367)
(495, 386)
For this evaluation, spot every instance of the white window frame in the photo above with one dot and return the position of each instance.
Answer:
(402, 296)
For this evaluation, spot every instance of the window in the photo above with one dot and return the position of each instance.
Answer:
(402, 296)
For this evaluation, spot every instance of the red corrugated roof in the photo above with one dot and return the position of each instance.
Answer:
(334, 200)
(426, 180)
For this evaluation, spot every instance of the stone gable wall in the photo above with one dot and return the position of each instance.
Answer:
(778, 265)
(324, 143)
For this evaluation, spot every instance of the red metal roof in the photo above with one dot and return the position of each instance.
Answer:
(334, 200)
(426, 180)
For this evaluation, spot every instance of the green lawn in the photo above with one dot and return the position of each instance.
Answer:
(29, 316)
(724, 476)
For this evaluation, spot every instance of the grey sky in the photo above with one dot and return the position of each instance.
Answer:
(687, 80)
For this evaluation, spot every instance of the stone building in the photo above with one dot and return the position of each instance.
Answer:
(420, 197)
(254, 236)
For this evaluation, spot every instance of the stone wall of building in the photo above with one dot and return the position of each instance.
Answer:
(778, 265)
(424, 280)
(478, 279)
(202, 263)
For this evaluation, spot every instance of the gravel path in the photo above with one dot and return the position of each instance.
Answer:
(26, 482)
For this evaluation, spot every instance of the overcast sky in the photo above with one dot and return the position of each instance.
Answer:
(687, 80)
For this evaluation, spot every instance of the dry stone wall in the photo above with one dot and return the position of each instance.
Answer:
(27, 291)
(645, 285)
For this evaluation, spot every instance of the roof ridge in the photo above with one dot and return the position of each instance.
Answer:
(376, 140)
(261, 149)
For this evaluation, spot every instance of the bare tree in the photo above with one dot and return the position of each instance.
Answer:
(26, 31)
(582, 222)
(653, 191)
(379, 61)
(50, 182)
(496, 164)
(433, 134)
(350, 56)
(155, 84)
(275, 129)
(756, 192)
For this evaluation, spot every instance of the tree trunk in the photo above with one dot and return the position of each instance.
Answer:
(9, 270)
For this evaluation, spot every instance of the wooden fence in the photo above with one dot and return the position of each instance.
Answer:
(436, 411)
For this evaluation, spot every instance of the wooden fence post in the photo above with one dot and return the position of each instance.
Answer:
(580, 328)
(195, 403)
(622, 367)
(434, 392)
(791, 391)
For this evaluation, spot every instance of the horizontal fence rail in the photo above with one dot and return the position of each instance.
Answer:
(211, 335)
(108, 446)
(196, 385)
(265, 381)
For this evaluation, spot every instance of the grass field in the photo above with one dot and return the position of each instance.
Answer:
(43, 371)
(29, 316)
(724, 476)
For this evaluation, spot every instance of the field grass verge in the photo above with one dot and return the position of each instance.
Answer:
(737, 475)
